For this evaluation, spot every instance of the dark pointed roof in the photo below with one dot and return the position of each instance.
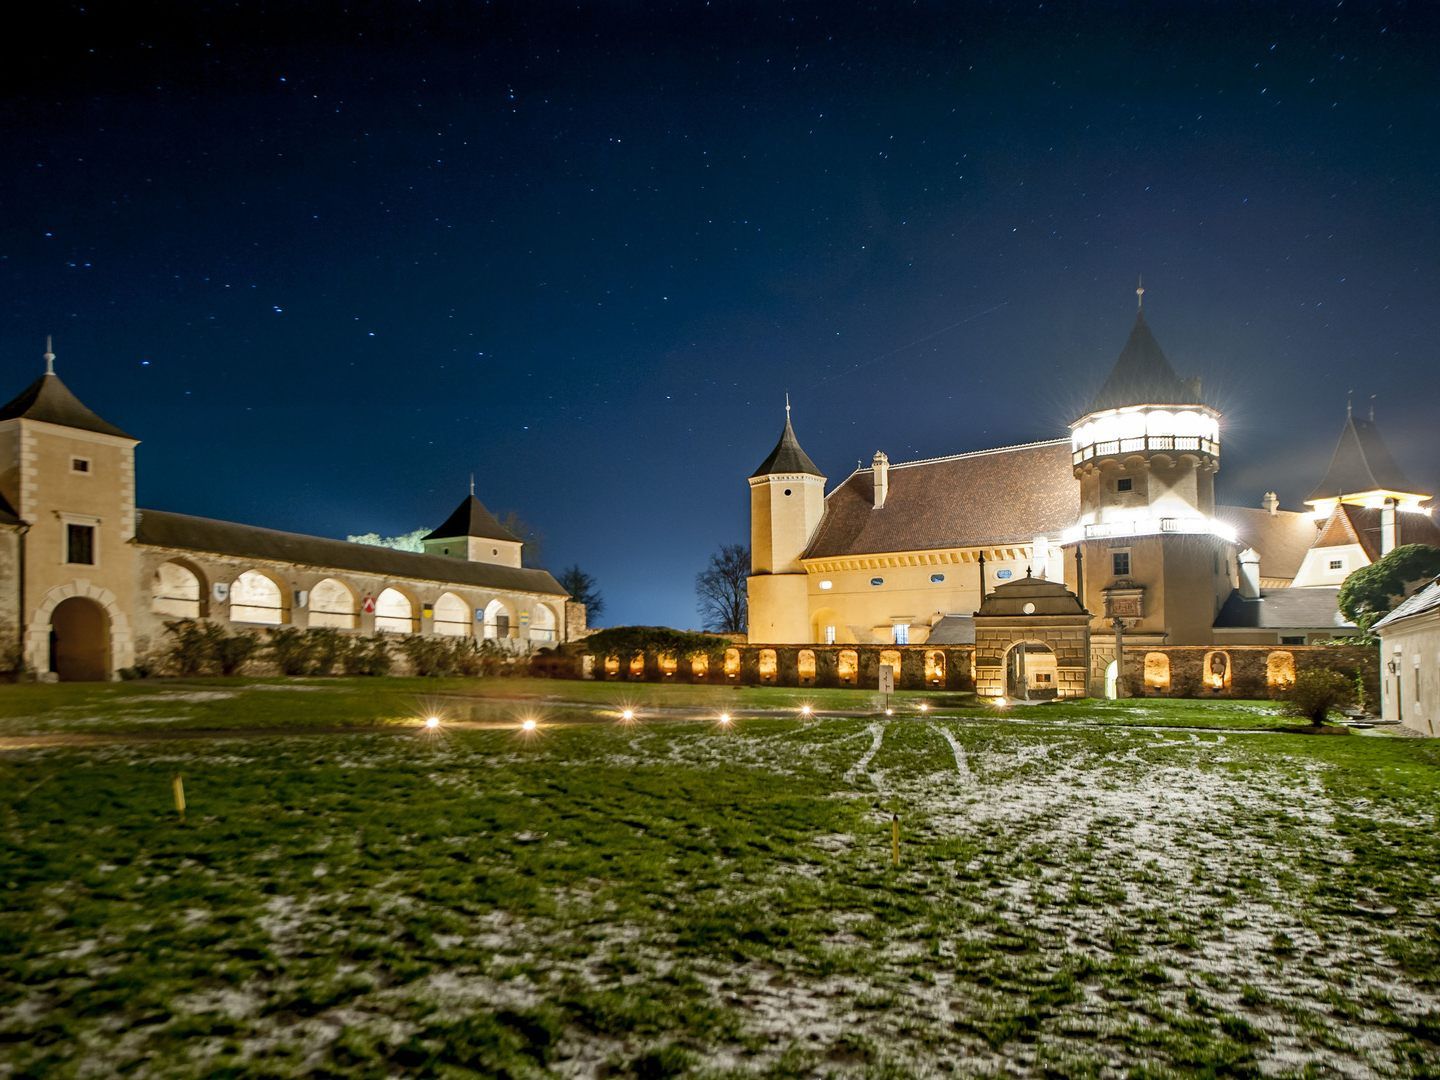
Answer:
(1361, 462)
(787, 457)
(1142, 376)
(472, 519)
(49, 400)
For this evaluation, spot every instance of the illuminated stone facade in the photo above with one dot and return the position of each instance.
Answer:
(87, 580)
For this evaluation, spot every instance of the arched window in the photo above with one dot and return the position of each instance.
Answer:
(255, 598)
(668, 665)
(935, 668)
(637, 665)
(1157, 672)
(612, 666)
(732, 663)
(891, 657)
(805, 666)
(699, 666)
(452, 616)
(847, 667)
(394, 613)
(1280, 670)
(497, 620)
(542, 623)
(332, 603)
(175, 591)
(769, 666)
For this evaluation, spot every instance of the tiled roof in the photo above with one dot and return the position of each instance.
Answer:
(1350, 524)
(1282, 539)
(1041, 596)
(1142, 376)
(472, 519)
(1418, 603)
(1285, 609)
(953, 630)
(1361, 462)
(787, 457)
(161, 528)
(50, 400)
(1005, 496)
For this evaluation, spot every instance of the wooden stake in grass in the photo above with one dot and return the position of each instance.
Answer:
(177, 785)
(895, 839)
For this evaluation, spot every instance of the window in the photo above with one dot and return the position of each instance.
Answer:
(827, 585)
(829, 635)
(1120, 563)
(80, 544)
(936, 579)
(1125, 483)
(900, 633)
(1337, 564)
(787, 491)
(80, 464)
(877, 581)
(1297, 640)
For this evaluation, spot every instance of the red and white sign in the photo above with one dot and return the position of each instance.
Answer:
(368, 605)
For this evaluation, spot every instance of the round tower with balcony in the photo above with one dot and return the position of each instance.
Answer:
(1147, 549)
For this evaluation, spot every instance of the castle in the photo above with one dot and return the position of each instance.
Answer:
(88, 580)
(1122, 512)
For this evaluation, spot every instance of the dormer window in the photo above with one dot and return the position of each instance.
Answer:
(80, 465)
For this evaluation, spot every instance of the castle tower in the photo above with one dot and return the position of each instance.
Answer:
(1146, 547)
(473, 533)
(69, 478)
(787, 500)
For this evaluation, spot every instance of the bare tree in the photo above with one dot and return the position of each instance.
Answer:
(720, 590)
(582, 589)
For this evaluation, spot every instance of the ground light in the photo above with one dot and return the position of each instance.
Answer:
(806, 710)
(889, 712)
(1000, 702)
(627, 715)
(432, 722)
(724, 719)
(924, 706)
(528, 724)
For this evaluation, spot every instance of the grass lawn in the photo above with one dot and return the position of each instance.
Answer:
(1084, 889)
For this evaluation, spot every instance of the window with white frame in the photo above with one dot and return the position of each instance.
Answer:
(829, 635)
(1337, 564)
(900, 633)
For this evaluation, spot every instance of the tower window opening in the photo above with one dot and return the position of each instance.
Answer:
(1125, 483)
(80, 465)
(80, 544)
(1120, 564)
(787, 491)
(877, 581)
(936, 579)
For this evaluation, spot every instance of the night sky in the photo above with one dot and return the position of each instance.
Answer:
(327, 264)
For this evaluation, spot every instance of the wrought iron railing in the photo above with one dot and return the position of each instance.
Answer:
(1146, 443)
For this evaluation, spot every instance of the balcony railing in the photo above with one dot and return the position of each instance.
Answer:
(1150, 526)
(1147, 443)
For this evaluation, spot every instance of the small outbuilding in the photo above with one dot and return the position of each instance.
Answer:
(1032, 642)
(1410, 661)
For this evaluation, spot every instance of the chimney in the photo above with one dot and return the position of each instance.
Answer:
(1250, 574)
(1271, 502)
(1387, 527)
(881, 465)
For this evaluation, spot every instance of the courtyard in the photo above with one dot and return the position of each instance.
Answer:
(1094, 888)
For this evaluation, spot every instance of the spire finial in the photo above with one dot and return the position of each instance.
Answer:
(1372, 408)
(472, 485)
(787, 406)
(1349, 404)
(1140, 293)
(49, 356)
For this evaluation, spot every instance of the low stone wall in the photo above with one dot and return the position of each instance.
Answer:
(1242, 671)
(1249, 671)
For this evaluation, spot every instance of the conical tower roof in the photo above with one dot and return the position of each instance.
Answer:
(787, 457)
(1361, 462)
(472, 519)
(1142, 376)
(49, 400)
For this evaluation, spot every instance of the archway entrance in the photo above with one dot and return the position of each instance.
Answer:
(80, 641)
(1112, 680)
(1030, 670)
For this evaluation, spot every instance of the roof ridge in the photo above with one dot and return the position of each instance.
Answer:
(970, 454)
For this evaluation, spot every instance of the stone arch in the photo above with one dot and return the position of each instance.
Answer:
(1157, 672)
(805, 667)
(500, 620)
(1215, 674)
(1112, 680)
(177, 590)
(544, 623)
(334, 604)
(79, 641)
(1031, 671)
(934, 668)
(37, 633)
(769, 666)
(612, 667)
(452, 616)
(637, 666)
(847, 667)
(894, 659)
(394, 611)
(732, 663)
(257, 597)
(1280, 670)
(700, 666)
